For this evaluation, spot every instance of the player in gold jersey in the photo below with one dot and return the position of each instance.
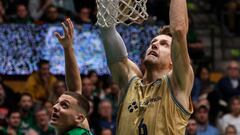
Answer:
(158, 101)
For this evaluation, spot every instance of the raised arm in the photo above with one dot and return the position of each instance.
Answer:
(122, 68)
(182, 75)
(73, 79)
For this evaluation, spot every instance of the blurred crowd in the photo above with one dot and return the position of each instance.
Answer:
(47, 11)
(227, 12)
(53, 11)
(217, 104)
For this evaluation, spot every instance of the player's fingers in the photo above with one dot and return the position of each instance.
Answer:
(71, 25)
(59, 37)
(65, 28)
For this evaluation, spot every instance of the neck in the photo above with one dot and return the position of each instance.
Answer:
(1, 101)
(153, 74)
(109, 119)
(11, 127)
(60, 131)
(44, 127)
(203, 125)
(235, 114)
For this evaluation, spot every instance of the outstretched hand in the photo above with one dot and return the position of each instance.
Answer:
(67, 39)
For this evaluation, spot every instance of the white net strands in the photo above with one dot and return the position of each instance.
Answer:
(111, 12)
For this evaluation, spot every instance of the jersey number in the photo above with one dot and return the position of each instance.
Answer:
(142, 128)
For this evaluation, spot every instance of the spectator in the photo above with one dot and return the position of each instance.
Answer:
(218, 106)
(83, 17)
(65, 5)
(106, 119)
(8, 99)
(52, 15)
(84, 3)
(58, 89)
(41, 83)
(38, 7)
(88, 88)
(87, 91)
(12, 4)
(113, 97)
(229, 85)
(106, 132)
(232, 118)
(230, 130)
(2, 13)
(204, 128)
(14, 121)
(191, 127)
(43, 127)
(93, 76)
(21, 16)
(48, 106)
(26, 108)
(202, 84)
(232, 7)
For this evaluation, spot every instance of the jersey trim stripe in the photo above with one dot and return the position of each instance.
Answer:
(174, 98)
(126, 89)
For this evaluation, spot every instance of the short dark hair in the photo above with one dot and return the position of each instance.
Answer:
(52, 6)
(82, 101)
(40, 109)
(42, 62)
(91, 72)
(165, 30)
(26, 94)
(12, 111)
(234, 98)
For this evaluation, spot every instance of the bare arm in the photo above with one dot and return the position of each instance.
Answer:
(73, 79)
(122, 68)
(182, 75)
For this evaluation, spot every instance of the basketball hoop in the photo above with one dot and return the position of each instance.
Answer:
(111, 12)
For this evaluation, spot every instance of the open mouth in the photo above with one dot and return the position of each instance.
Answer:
(153, 53)
(54, 116)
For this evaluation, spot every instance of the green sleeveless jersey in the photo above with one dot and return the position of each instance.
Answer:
(78, 131)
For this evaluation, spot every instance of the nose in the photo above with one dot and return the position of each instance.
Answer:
(154, 46)
(55, 108)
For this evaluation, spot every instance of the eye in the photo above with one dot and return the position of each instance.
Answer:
(64, 105)
(164, 43)
(153, 41)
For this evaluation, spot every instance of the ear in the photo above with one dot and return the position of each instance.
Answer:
(171, 64)
(85, 124)
(79, 118)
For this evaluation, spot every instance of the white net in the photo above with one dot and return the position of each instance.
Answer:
(111, 12)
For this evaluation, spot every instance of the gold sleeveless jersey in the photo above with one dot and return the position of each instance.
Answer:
(151, 109)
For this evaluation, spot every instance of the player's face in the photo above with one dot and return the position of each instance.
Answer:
(159, 51)
(65, 112)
